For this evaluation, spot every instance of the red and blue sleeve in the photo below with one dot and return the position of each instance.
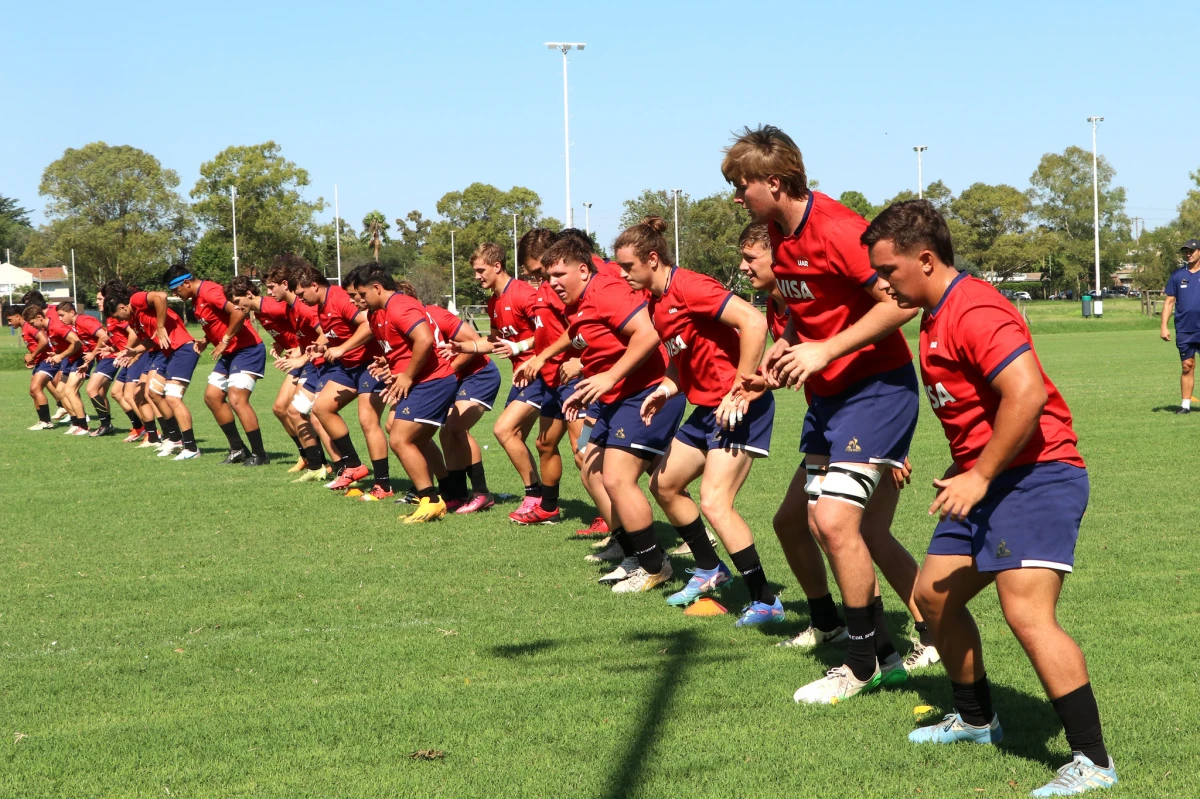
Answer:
(990, 339)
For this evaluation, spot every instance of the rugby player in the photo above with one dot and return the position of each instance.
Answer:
(41, 375)
(66, 358)
(98, 365)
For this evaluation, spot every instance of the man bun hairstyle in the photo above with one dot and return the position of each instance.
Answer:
(766, 151)
(534, 243)
(755, 233)
(309, 275)
(646, 237)
(489, 253)
(404, 287)
(911, 226)
(242, 286)
(571, 251)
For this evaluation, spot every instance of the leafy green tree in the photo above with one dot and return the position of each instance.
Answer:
(708, 229)
(857, 201)
(272, 215)
(1157, 251)
(117, 208)
(15, 227)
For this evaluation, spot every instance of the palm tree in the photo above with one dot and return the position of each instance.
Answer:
(375, 228)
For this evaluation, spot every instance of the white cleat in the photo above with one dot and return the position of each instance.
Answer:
(168, 448)
(922, 657)
(59, 415)
(838, 685)
(610, 554)
(813, 637)
(641, 580)
(626, 567)
(187, 455)
(71, 431)
(148, 444)
(82, 431)
(42, 426)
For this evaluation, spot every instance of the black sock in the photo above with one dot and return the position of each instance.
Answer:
(973, 701)
(134, 420)
(430, 492)
(823, 615)
(189, 439)
(860, 656)
(231, 435)
(43, 412)
(100, 403)
(923, 634)
(336, 466)
(78, 421)
(170, 429)
(313, 457)
(696, 537)
(381, 470)
(151, 432)
(455, 485)
(256, 445)
(549, 498)
(534, 490)
(299, 446)
(884, 648)
(747, 563)
(1081, 721)
(647, 550)
(622, 539)
(346, 450)
(478, 480)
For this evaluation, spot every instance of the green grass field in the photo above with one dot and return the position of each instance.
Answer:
(188, 629)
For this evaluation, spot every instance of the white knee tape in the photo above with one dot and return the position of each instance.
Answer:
(244, 381)
(174, 390)
(302, 404)
(850, 482)
(812, 486)
(218, 380)
(157, 386)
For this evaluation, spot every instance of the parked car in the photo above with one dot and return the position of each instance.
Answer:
(1135, 294)
(1022, 295)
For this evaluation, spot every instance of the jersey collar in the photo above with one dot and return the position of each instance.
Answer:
(945, 296)
(803, 220)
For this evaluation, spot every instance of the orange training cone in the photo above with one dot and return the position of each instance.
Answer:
(705, 606)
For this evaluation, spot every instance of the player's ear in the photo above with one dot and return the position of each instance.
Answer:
(927, 258)
(774, 184)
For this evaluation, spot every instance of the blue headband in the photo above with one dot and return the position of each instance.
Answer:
(174, 284)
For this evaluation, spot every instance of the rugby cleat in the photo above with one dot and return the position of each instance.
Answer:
(815, 637)
(891, 671)
(82, 431)
(376, 494)
(148, 444)
(452, 505)
(313, 475)
(104, 430)
(256, 460)
(348, 476)
(427, 511)
(757, 613)
(42, 426)
(527, 504)
(538, 515)
(59, 415)
(597, 527)
(838, 685)
(641, 580)
(922, 657)
(952, 729)
(187, 455)
(1079, 776)
(169, 448)
(478, 502)
(611, 554)
(234, 456)
(702, 581)
(74, 429)
(298, 467)
(135, 435)
(625, 568)
(409, 498)
(603, 542)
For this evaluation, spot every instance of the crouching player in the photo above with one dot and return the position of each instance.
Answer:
(66, 359)
(421, 386)
(42, 376)
(714, 339)
(99, 365)
(1010, 504)
(623, 364)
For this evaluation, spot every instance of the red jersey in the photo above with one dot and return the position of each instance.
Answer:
(548, 325)
(705, 351)
(604, 267)
(86, 327)
(145, 324)
(209, 307)
(30, 334)
(304, 320)
(595, 321)
(512, 315)
(776, 319)
(118, 333)
(57, 331)
(273, 316)
(822, 270)
(337, 315)
(393, 325)
(445, 327)
(966, 340)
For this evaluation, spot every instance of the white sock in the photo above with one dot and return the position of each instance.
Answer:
(1187, 404)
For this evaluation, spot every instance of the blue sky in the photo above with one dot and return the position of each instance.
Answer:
(398, 103)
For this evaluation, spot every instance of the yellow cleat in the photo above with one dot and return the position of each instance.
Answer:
(426, 511)
(313, 475)
(299, 467)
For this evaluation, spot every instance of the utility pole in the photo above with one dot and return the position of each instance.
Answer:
(676, 193)
(453, 278)
(920, 148)
(1096, 199)
(233, 202)
(516, 266)
(565, 47)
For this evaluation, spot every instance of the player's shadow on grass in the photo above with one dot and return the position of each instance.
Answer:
(1165, 408)
(657, 702)
(527, 649)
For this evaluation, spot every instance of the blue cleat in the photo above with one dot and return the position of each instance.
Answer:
(703, 581)
(760, 613)
(952, 729)
(1079, 776)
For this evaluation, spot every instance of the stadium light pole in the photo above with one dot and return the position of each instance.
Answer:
(565, 47)
(233, 204)
(1096, 199)
(676, 193)
(337, 232)
(920, 148)
(516, 266)
(587, 219)
(453, 278)
(74, 290)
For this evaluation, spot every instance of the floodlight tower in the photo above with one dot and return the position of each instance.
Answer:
(564, 47)
(920, 148)
(587, 218)
(1096, 200)
(676, 193)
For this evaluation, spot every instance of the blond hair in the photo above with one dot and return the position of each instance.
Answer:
(489, 253)
(766, 152)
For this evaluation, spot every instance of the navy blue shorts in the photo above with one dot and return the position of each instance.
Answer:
(134, 371)
(157, 362)
(179, 364)
(482, 388)
(620, 425)
(870, 422)
(428, 402)
(68, 365)
(532, 394)
(555, 398)
(46, 368)
(1188, 344)
(308, 376)
(345, 376)
(248, 360)
(369, 383)
(106, 367)
(752, 434)
(1029, 519)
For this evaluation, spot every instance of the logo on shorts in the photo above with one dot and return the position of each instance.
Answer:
(462, 393)
(853, 446)
(1003, 551)
(405, 409)
(620, 432)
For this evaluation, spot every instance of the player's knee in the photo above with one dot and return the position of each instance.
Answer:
(1189, 366)
(927, 599)
(716, 506)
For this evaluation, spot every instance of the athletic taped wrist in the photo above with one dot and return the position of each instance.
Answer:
(665, 390)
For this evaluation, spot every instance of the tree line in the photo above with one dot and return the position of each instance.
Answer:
(122, 213)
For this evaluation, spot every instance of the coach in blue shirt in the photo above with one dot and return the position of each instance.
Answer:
(1183, 297)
